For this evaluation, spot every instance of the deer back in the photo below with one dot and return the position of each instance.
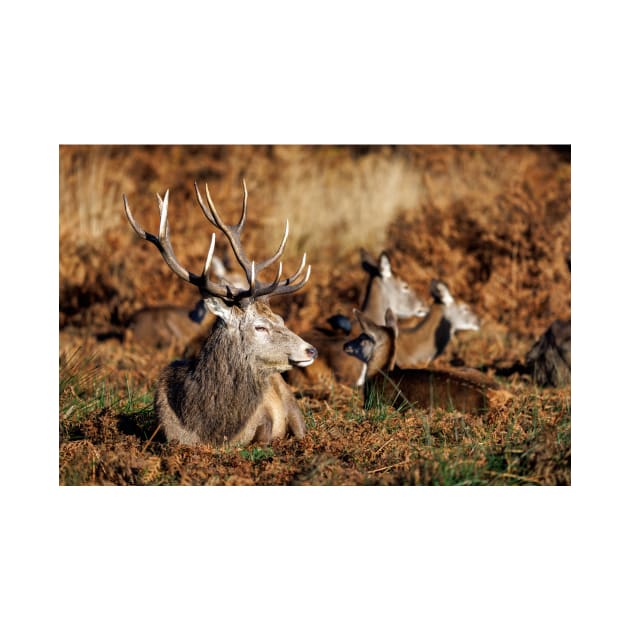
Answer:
(160, 325)
(426, 340)
(461, 389)
(385, 290)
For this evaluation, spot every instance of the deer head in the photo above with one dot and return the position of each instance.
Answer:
(376, 345)
(386, 290)
(241, 307)
(458, 314)
(270, 345)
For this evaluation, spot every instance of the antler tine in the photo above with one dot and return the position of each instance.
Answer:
(218, 221)
(165, 248)
(286, 288)
(206, 267)
(163, 204)
(251, 268)
(241, 223)
(296, 275)
(252, 276)
(206, 211)
(265, 263)
(267, 289)
(232, 232)
(136, 228)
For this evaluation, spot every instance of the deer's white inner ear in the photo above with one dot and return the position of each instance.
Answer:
(385, 266)
(219, 308)
(444, 294)
(447, 298)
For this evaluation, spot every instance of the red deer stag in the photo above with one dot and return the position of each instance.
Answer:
(464, 389)
(231, 392)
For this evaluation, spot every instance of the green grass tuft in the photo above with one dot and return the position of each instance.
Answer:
(257, 454)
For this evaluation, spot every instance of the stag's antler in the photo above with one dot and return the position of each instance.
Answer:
(229, 294)
(251, 268)
(163, 243)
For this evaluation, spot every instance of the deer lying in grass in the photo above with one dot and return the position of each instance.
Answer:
(420, 344)
(231, 392)
(163, 325)
(462, 389)
(427, 340)
(384, 290)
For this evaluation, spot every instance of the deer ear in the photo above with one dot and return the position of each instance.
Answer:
(384, 266)
(198, 312)
(219, 308)
(368, 263)
(440, 293)
(366, 323)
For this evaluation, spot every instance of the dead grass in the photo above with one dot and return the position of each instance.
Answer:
(527, 443)
(494, 222)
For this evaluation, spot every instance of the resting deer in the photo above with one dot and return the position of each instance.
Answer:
(384, 290)
(428, 339)
(163, 325)
(449, 388)
(231, 392)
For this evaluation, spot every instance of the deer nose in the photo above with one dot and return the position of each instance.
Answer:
(311, 352)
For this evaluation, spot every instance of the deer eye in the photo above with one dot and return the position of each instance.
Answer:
(262, 329)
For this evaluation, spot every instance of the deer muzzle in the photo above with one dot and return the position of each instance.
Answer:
(309, 354)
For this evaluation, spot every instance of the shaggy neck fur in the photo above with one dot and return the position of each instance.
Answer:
(222, 387)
